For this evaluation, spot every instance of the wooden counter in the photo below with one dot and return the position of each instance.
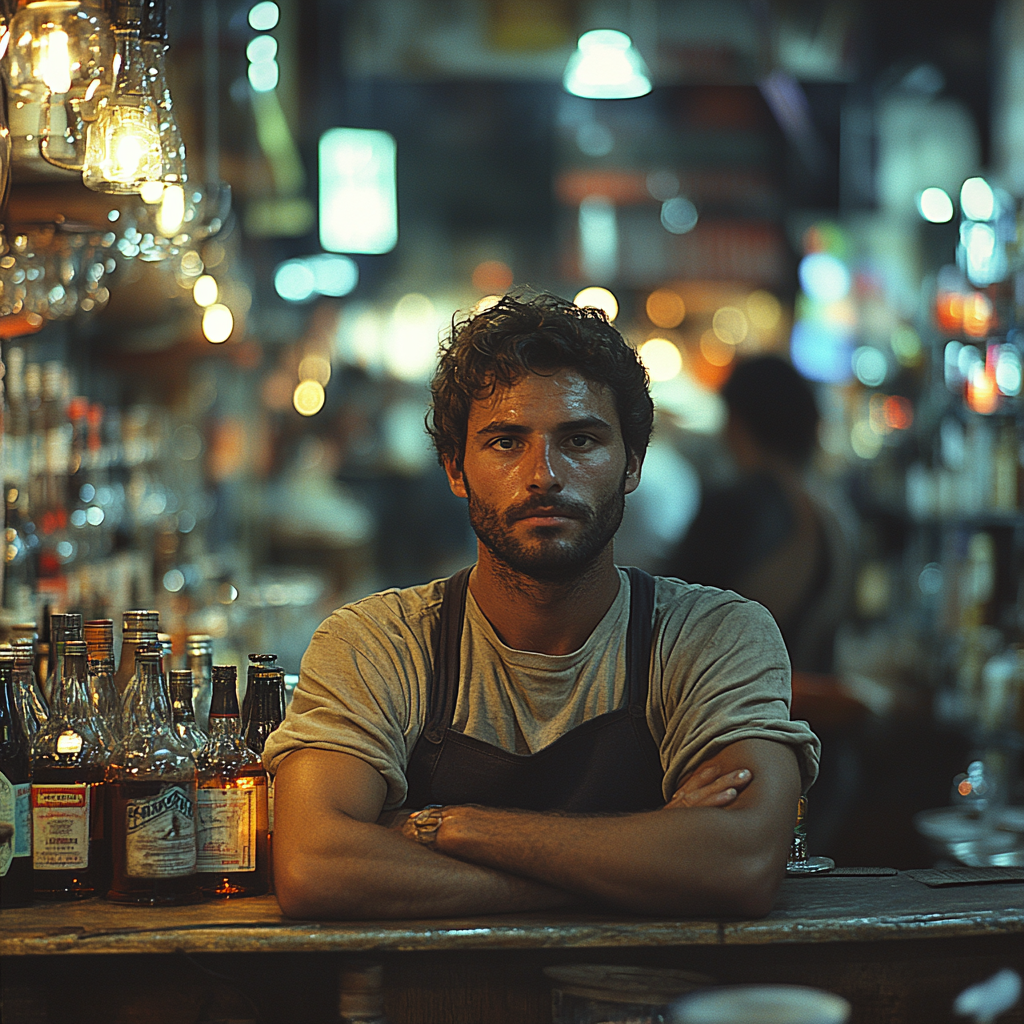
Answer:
(898, 949)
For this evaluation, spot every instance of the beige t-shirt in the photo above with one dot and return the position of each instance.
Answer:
(719, 673)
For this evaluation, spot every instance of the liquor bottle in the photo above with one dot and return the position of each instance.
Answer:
(68, 767)
(361, 993)
(199, 658)
(103, 696)
(153, 800)
(139, 628)
(232, 801)
(182, 712)
(136, 628)
(256, 661)
(32, 707)
(266, 712)
(15, 813)
(64, 626)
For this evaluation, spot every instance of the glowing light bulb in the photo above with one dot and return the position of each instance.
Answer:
(54, 65)
(606, 66)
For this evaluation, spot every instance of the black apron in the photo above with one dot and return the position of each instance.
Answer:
(609, 763)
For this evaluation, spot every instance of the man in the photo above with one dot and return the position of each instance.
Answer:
(593, 737)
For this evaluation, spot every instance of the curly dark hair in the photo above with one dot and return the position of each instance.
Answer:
(533, 334)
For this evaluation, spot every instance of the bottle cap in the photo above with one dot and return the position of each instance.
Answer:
(198, 643)
(137, 619)
(262, 659)
(75, 649)
(148, 652)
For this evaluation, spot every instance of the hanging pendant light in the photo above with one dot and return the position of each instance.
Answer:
(59, 67)
(123, 149)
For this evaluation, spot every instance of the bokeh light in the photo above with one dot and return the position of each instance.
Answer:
(977, 315)
(730, 325)
(308, 397)
(218, 323)
(678, 215)
(315, 367)
(716, 351)
(661, 358)
(763, 310)
(824, 277)
(492, 276)
(935, 206)
(264, 16)
(869, 366)
(205, 291)
(977, 200)
(665, 308)
(598, 298)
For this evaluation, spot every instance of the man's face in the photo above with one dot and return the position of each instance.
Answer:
(546, 473)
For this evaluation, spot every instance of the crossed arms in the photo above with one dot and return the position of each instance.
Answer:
(718, 848)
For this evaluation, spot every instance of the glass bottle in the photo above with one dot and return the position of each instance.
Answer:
(153, 800)
(199, 658)
(182, 712)
(99, 639)
(232, 801)
(135, 629)
(256, 661)
(32, 706)
(63, 627)
(15, 791)
(68, 767)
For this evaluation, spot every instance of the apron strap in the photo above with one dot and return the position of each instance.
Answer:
(638, 639)
(444, 684)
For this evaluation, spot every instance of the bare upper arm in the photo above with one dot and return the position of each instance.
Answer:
(775, 786)
(311, 784)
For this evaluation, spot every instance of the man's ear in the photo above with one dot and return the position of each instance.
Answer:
(634, 463)
(453, 470)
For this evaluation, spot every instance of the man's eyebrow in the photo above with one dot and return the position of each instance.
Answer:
(505, 427)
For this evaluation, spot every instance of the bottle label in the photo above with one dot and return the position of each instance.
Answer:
(60, 827)
(227, 829)
(160, 835)
(14, 810)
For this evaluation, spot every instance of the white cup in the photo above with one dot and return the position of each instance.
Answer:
(761, 1004)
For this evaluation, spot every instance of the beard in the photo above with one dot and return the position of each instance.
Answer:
(549, 556)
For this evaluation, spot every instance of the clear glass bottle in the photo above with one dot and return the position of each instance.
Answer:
(31, 703)
(136, 625)
(106, 706)
(182, 712)
(70, 850)
(152, 779)
(16, 879)
(199, 658)
(232, 801)
(63, 627)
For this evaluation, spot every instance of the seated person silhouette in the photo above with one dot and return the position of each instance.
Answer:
(770, 535)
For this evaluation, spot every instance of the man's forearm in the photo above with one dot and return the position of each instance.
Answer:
(357, 870)
(684, 861)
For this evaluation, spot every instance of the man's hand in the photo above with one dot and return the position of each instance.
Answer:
(711, 785)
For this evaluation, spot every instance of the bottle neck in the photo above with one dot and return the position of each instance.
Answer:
(152, 701)
(181, 703)
(69, 698)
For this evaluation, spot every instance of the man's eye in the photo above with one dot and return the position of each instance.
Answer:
(505, 444)
(581, 441)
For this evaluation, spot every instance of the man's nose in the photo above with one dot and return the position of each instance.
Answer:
(544, 468)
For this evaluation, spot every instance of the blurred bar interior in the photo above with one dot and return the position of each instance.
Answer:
(224, 272)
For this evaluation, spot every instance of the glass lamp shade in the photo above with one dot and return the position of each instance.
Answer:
(62, 48)
(174, 170)
(123, 149)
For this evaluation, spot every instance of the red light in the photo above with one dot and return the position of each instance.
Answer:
(949, 311)
(899, 413)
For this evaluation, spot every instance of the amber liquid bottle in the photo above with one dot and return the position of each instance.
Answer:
(70, 847)
(232, 801)
(182, 713)
(15, 849)
(153, 799)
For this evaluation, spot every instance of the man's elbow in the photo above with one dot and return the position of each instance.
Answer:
(306, 888)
